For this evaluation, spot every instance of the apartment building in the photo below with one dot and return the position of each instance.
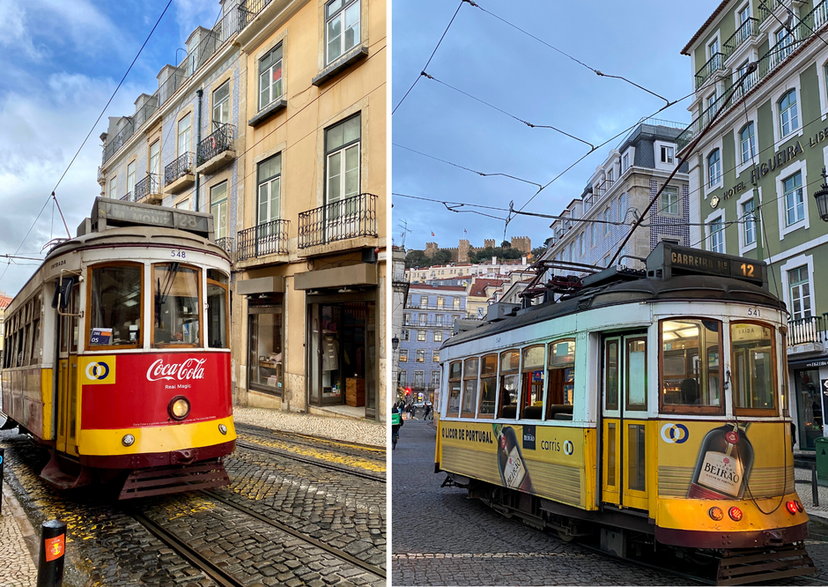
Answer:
(756, 153)
(275, 122)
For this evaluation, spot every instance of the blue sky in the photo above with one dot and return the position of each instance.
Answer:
(490, 60)
(61, 60)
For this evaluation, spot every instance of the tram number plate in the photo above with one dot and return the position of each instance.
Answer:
(178, 254)
(754, 312)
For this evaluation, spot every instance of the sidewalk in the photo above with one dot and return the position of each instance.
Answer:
(17, 544)
(819, 514)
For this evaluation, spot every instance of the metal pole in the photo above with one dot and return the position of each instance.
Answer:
(2, 460)
(814, 487)
(52, 551)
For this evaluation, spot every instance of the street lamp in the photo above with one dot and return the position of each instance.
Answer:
(821, 197)
(395, 343)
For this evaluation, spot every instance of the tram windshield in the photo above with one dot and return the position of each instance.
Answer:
(176, 315)
(753, 373)
(115, 305)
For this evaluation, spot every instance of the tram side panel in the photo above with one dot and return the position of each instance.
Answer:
(554, 462)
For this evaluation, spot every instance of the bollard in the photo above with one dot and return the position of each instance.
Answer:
(814, 485)
(2, 459)
(52, 551)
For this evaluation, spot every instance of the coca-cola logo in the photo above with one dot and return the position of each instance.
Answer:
(186, 370)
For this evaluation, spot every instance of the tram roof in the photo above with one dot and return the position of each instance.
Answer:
(645, 290)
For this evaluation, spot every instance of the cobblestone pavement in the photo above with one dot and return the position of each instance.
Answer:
(440, 537)
(106, 546)
(18, 567)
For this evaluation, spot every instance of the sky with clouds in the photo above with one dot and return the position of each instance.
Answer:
(61, 62)
(489, 71)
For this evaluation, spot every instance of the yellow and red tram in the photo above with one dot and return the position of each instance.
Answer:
(117, 353)
(646, 410)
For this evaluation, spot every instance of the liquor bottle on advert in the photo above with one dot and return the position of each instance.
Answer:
(724, 463)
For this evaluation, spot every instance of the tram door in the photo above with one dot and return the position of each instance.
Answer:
(624, 413)
(66, 398)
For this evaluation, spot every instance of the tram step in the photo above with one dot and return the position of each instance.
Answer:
(174, 479)
(744, 567)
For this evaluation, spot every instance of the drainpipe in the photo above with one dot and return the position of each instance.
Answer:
(200, 94)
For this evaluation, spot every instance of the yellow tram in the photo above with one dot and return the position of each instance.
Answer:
(646, 410)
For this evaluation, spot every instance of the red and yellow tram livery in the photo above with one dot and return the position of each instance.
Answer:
(117, 354)
(646, 411)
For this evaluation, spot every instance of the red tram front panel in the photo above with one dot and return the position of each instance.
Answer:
(152, 409)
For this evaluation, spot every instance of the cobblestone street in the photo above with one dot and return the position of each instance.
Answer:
(281, 522)
(439, 537)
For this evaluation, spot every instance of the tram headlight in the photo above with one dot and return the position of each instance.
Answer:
(715, 513)
(179, 408)
(735, 514)
(223, 429)
(128, 440)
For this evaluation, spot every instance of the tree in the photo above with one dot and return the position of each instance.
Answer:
(505, 245)
(441, 257)
(416, 258)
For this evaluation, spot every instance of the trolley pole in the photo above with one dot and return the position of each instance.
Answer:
(52, 551)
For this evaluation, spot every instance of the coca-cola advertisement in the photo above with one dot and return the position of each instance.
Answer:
(128, 390)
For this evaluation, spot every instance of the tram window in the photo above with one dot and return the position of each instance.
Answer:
(115, 305)
(561, 379)
(533, 380)
(611, 366)
(509, 379)
(636, 374)
(470, 375)
(690, 366)
(488, 386)
(217, 308)
(176, 316)
(455, 381)
(753, 374)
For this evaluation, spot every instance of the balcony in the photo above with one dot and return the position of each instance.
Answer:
(747, 30)
(228, 243)
(267, 238)
(349, 218)
(178, 175)
(806, 335)
(714, 64)
(216, 151)
(148, 191)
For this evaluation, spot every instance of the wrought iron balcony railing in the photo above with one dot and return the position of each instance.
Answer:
(806, 330)
(267, 238)
(747, 29)
(147, 186)
(221, 140)
(178, 168)
(714, 64)
(228, 243)
(352, 217)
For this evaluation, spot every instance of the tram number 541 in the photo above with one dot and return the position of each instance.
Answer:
(178, 254)
(753, 311)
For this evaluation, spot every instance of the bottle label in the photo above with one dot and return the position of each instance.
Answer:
(721, 472)
(514, 471)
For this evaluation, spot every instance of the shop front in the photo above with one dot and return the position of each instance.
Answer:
(810, 387)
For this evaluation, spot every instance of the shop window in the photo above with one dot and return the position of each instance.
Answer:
(488, 386)
(532, 384)
(265, 365)
(690, 366)
(470, 374)
(560, 372)
(176, 307)
(509, 379)
(753, 368)
(455, 382)
(115, 303)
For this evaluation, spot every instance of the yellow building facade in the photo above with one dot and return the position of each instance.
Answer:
(310, 279)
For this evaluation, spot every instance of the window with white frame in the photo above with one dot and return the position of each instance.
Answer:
(270, 77)
(438, 336)
(670, 201)
(715, 231)
(341, 28)
(435, 378)
(788, 115)
(438, 318)
(131, 180)
(423, 301)
(784, 44)
(419, 378)
(714, 168)
(455, 303)
(747, 142)
(794, 199)
(269, 188)
(403, 375)
(799, 293)
(710, 108)
(221, 104)
(420, 358)
(184, 134)
(403, 355)
(610, 175)
(423, 319)
(155, 161)
(623, 206)
(421, 335)
(113, 188)
(342, 145)
(748, 216)
(667, 154)
(625, 162)
(218, 208)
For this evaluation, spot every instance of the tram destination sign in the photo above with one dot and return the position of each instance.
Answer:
(669, 260)
(107, 212)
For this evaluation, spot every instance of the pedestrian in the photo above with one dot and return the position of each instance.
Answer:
(396, 424)
(412, 411)
(427, 413)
